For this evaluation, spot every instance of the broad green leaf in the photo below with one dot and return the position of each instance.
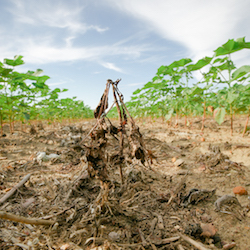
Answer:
(229, 45)
(37, 72)
(161, 70)
(56, 90)
(224, 66)
(221, 60)
(136, 91)
(26, 116)
(180, 63)
(200, 64)
(17, 61)
(241, 72)
(38, 85)
(169, 114)
(197, 91)
(231, 97)
(232, 46)
(5, 72)
(242, 43)
(219, 115)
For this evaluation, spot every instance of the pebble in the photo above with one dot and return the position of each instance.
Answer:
(229, 245)
(240, 190)
(178, 162)
(50, 142)
(114, 236)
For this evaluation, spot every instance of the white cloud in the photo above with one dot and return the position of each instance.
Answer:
(45, 50)
(56, 14)
(111, 66)
(201, 26)
(51, 46)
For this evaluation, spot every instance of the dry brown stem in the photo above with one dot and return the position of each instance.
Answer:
(34, 221)
(13, 190)
(196, 244)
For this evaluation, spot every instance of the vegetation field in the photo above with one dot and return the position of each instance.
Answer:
(169, 169)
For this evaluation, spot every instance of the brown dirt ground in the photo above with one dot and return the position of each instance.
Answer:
(155, 208)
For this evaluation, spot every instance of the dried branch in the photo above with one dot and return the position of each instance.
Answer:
(34, 221)
(103, 104)
(13, 190)
(196, 244)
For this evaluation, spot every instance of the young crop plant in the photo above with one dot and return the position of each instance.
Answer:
(26, 97)
(221, 87)
(18, 90)
(231, 76)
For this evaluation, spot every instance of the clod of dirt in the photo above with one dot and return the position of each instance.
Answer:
(204, 232)
(194, 230)
(195, 195)
(33, 130)
(227, 146)
(240, 190)
(208, 230)
(213, 158)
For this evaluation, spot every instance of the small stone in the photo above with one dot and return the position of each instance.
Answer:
(229, 245)
(174, 159)
(114, 236)
(240, 190)
(65, 246)
(178, 162)
(50, 142)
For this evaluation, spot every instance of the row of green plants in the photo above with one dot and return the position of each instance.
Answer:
(26, 97)
(173, 91)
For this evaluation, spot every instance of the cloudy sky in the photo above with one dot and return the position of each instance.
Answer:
(82, 43)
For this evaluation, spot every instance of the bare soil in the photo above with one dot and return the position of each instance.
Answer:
(162, 205)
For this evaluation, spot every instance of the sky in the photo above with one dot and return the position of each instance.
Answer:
(80, 44)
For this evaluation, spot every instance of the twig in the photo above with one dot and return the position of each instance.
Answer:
(34, 221)
(98, 122)
(245, 128)
(89, 132)
(122, 126)
(13, 190)
(180, 247)
(242, 146)
(152, 225)
(56, 214)
(169, 240)
(196, 244)
(144, 242)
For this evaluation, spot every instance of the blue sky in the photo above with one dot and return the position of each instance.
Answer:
(82, 43)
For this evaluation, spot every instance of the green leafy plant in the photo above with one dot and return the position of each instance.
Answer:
(221, 87)
(26, 96)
